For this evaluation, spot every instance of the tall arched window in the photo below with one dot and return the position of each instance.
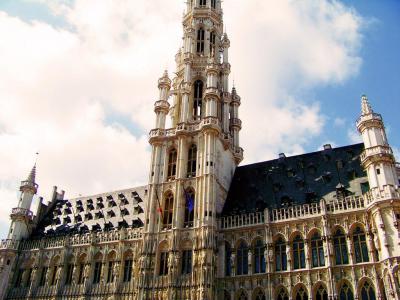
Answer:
(280, 255)
(360, 246)
(242, 259)
(282, 294)
(212, 43)
(228, 256)
(321, 294)
(259, 295)
(339, 243)
(192, 161)
(346, 293)
(198, 99)
(200, 41)
(317, 251)
(299, 259)
(301, 294)
(367, 292)
(213, 4)
(172, 158)
(128, 262)
(202, 2)
(189, 208)
(259, 259)
(168, 210)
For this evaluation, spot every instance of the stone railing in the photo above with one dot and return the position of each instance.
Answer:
(376, 150)
(243, 220)
(389, 192)
(369, 117)
(349, 203)
(29, 184)
(23, 212)
(83, 239)
(9, 244)
(295, 212)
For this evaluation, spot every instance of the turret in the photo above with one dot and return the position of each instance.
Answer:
(161, 107)
(377, 159)
(21, 216)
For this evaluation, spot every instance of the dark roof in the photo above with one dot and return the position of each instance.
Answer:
(297, 179)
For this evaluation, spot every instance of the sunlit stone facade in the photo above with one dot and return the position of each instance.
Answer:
(322, 225)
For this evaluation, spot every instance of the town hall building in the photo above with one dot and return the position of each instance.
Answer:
(322, 225)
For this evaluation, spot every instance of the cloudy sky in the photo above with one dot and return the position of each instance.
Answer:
(78, 79)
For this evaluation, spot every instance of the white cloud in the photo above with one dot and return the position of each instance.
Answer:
(353, 136)
(339, 122)
(58, 86)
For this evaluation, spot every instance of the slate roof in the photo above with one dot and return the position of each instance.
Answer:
(299, 179)
(108, 211)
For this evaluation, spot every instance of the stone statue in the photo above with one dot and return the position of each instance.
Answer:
(116, 271)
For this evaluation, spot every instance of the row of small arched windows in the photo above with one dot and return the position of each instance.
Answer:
(366, 292)
(298, 254)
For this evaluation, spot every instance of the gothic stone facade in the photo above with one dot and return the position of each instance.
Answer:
(322, 225)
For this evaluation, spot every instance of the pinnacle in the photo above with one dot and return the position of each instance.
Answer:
(365, 106)
(32, 175)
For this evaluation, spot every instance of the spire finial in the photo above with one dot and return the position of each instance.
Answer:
(32, 174)
(366, 108)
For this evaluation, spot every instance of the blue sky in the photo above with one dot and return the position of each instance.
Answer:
(79, 78)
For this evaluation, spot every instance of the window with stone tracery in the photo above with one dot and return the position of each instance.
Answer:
(367, 292)
(299, 259)
(321, 293)
(282, 294)
(187, 262)
(168, 210)
(317, 251)
(242, 263)
(200, 41)
(360, 246)
(346, 292)
(189, 208)
(163, 269)
(213, 4)
(242, 295)
(340, 246)
(280, 255)
(97, 272)
(259, 259)
(192, 161)
(172, 158)
(212, 43)
(202, 2)
(301, 294)
(70, 272)
(259, 295)
(198, 99)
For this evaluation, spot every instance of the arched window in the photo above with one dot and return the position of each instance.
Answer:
(367, 292)
(301, 294)
(189, 207)
(168, 210)
(198, 99)
(282, 294)
(339, 243)
(242, 259)
(228, 257)
(259, 259)
(187, 262)
(346, 293)
(317, 251)
(280, 255)
(202, 2)
(242, 295)
(128, 262)
(360, 246)
(192, 161)
(111, 272)
(259, 295)
(299, 259)
(321, 294)
(98, 266)
(172, 158)
(213, 4)
(200, 41)
(212, 43)
(163, 268)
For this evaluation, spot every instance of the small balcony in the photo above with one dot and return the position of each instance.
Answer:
(377, 150)
(22, 212)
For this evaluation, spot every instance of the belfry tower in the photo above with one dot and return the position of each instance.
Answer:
(192, 163)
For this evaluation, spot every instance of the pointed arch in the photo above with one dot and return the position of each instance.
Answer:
(340, 247)
(300, 292)
(299, 258)
(366, 290)
(346, 291)
(259, 264)
(258, 294)
(128, 264)
(280, 254)
(281, 293)
(192, 161)
(320, 291)
(198, 88)
(317, 250)
(242, 295)
(242, 254)
(360, 245)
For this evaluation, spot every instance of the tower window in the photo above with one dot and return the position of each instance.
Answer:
(172, 164)
(168, 210)
(189, 208)
(186, 262)
(163, 264)
(202, 2)
(213, 4)
(212, 44)
(197, 100)
(192, 157)
(200, 41)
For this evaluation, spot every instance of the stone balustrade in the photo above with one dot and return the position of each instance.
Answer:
(376, 150)
(368, 117)
(389, 192)
(22, 212)
(9, 244)
(243, 220)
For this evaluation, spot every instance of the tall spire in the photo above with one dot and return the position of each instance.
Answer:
(32, 175)
(365, 106)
